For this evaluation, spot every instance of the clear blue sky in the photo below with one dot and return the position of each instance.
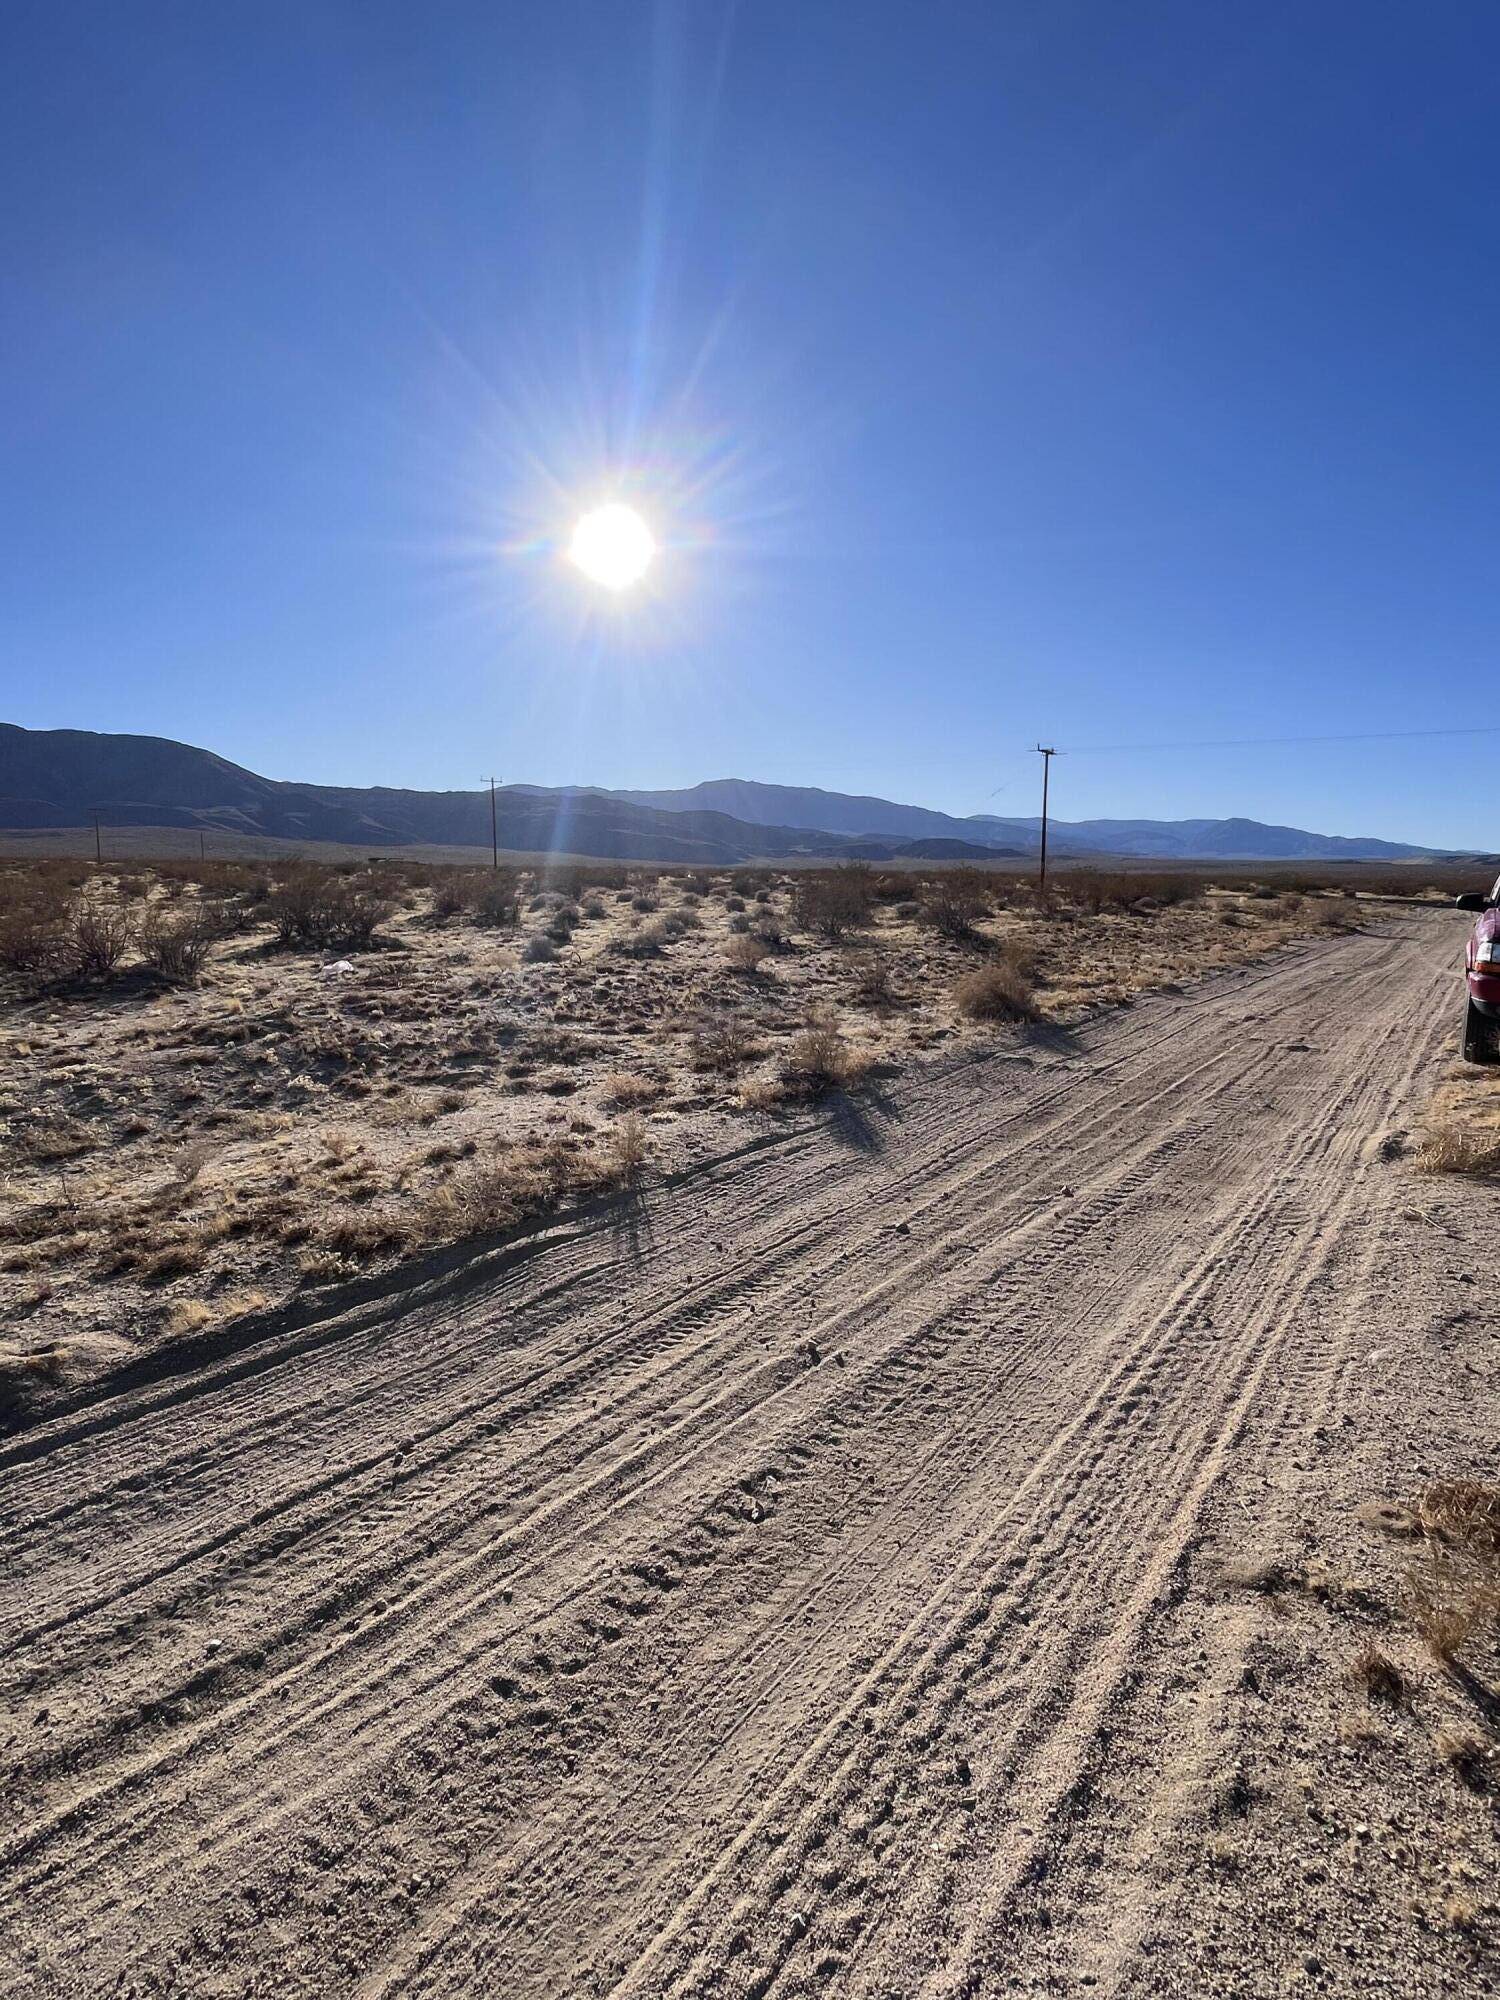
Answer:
(1112, 373)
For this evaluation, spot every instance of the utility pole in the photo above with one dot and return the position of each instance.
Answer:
(494, 829)
(1046, 756)
(98, 843)
(202, 845)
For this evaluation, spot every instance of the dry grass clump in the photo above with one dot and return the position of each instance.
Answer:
(48, 1139)
(820, 1059)
(998, 990)
(748, 953)
(1462, 1512)
(1459, 1149)
(1467, 1752)
(627, 1089)
(629, 1148)
(1446, 1611)
(1380, 1677)
(1455, 1596)
(523, 1182)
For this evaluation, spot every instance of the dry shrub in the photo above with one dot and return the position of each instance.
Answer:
(747, 953)
(649, 941)
(33, 913)
(454, 892)
(1458, 1149)
(497, 903)
(832, 904)
(628, 1149)
(626, 1089)
(314, 906)
(820, 1059)
(176, 947)
(96, 937)
(998, 990)
(1092, 891)
(870, 975)
(954, 903)
(722, 1043)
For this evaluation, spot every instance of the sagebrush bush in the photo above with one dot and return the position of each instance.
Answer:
(954, 902)
(497, 903)
(746, 953)
(177, 946)
(97, 936)
(870, 972)
(998, 990)
(316, 906)
(722, 1043)
(820, 1059)
(831, 904)
(33, 913)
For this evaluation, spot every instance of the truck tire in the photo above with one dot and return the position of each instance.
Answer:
(1479, 1039)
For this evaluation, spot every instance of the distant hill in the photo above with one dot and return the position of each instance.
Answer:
(63, 777)
(1196, 839)
(1181, 839)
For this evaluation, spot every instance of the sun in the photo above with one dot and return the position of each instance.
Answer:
(613, 546)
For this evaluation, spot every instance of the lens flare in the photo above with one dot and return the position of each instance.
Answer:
(613, 546)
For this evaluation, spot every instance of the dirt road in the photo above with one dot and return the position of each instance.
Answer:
(805, 1581)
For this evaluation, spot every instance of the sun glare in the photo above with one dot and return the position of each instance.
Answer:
(613, 546)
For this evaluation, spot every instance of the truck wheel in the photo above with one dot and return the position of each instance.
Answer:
(1478, 1042)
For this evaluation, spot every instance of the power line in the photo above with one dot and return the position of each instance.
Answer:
(1270, 742)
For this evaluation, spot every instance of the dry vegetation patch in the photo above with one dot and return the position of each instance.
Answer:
(227, 1080)
(1463, 1121)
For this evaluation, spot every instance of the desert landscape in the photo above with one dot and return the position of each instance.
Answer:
(230, 1084)
(743, 1434)
(749, 1001)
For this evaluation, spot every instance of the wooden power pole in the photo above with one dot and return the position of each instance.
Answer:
(494, 829)
(1046, 756)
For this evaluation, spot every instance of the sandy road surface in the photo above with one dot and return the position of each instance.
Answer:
(790, 1586)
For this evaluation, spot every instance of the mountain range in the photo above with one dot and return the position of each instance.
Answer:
(65, 777)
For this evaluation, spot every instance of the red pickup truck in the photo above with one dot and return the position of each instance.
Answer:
(1482, 972)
